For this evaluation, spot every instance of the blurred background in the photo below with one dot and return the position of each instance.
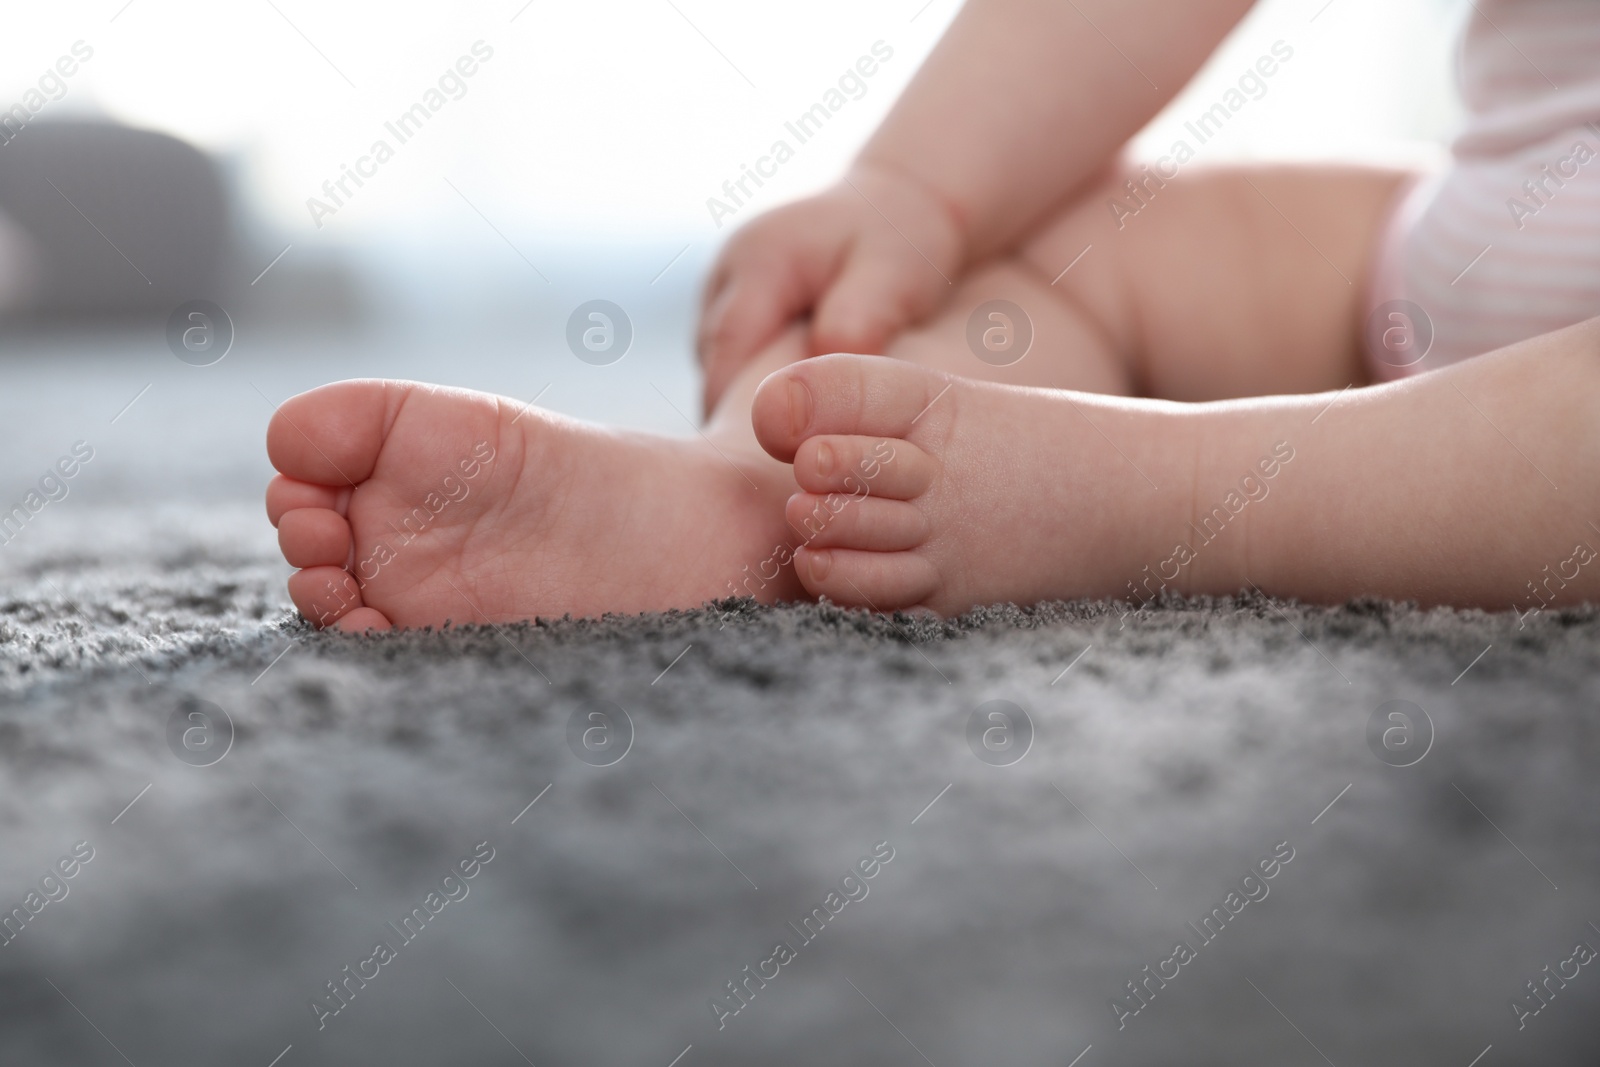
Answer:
(179, 158)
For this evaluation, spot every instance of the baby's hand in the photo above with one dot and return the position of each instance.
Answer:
(865, 259)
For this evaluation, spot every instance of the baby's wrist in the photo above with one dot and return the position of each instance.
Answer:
(903, 187)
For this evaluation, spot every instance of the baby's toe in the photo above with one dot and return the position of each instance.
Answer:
(837, 521)
(866, 395)
(324, 595)
(314, 537)
(286, 494)
(883, 581)
(332, 435)
(362, 620)
(876, 466)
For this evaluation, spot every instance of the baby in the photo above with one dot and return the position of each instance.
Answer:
(1205, 404)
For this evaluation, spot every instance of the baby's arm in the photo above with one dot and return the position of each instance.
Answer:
(1477, 484)
(1021, 102)
(1024, 100)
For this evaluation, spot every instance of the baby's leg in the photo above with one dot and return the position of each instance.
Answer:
(1463, 486)
(988, 494)
(407, 504)
(1227, 281)
(378, 507)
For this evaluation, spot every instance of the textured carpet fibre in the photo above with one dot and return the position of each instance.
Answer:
(772, 751)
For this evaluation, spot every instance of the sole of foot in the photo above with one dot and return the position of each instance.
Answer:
(407, 505)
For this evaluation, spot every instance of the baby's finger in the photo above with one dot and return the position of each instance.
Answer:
(879, 293)
(713, 317)
(752, 306)
(753, 310)
(716, 282)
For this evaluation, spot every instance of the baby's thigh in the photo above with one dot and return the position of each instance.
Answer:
(1222, 281)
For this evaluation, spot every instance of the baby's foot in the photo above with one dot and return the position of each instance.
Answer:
(409, 504)
(993, 493)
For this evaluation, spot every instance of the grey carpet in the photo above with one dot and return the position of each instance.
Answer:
(777, 750)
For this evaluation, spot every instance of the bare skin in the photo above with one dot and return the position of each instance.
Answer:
(408, 505)
(1017, 494)
(974, 483)
(1006, 468)
(1015, 115)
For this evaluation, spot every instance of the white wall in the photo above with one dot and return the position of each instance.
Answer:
(625, 115)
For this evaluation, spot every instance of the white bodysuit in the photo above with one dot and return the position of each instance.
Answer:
(1505, 243)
